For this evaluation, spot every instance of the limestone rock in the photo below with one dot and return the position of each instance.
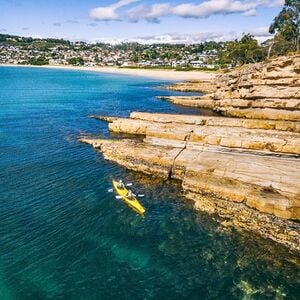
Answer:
(218, 135)
(217, 121)
(243, 167)
(269, 85)
(204, 86)
(137, 156)
(258, 113)
(264, 91)
(239, 215)
(122, 125)
(217, 104)
(268, 184)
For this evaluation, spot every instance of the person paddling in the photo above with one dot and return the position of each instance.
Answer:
(121, 184)
(130, 194)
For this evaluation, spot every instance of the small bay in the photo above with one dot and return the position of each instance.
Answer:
(64, 236)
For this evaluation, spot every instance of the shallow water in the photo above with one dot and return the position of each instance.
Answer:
(63, 236)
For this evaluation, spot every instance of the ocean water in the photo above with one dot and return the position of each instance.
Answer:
(64, 236)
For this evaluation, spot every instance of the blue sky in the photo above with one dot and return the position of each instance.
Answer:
(140, 20)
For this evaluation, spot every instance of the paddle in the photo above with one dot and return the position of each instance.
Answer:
(127, 184)
(140, 196)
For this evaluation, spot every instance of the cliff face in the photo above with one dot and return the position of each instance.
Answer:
(244, 169)
(268, 91)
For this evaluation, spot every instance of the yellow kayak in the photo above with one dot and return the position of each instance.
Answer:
(133, 203)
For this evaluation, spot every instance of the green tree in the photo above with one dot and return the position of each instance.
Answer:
(277, 46)
(246, 50)
(287, 23)
(39, 61)
(76, 61)
(134, 57)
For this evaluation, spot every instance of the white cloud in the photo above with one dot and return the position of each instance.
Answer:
(275, 3)
(176, 38)
(156, 11)
(180, 38)
(260, 33)
(151, 14)
(212, 7)
(109, 13)
(189, 10)
(250, 13)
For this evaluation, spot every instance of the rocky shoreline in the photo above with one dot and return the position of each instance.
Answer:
(244, 165)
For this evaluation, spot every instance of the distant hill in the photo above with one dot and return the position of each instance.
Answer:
(6, 39)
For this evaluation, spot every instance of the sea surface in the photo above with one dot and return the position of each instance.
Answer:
(64, 236)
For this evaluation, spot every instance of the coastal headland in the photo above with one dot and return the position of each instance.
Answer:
(242, 165)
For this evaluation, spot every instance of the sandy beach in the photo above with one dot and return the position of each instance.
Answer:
(157, 74)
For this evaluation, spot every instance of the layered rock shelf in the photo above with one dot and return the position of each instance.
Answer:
(193, 86)
(269, 91)
(245, 169)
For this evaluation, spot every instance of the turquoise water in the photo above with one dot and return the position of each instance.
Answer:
(63, 236)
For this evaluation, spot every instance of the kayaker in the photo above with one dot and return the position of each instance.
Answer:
(130, 194)
(121, 184)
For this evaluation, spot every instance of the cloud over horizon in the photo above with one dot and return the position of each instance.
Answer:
(260, 33)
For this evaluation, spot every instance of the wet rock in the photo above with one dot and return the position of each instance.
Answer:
(238, 215)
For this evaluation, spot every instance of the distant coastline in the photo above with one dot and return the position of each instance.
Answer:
(156, 74)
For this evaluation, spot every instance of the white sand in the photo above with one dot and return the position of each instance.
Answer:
(158, 74)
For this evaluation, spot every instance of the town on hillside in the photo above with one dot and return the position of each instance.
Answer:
(208, 55)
